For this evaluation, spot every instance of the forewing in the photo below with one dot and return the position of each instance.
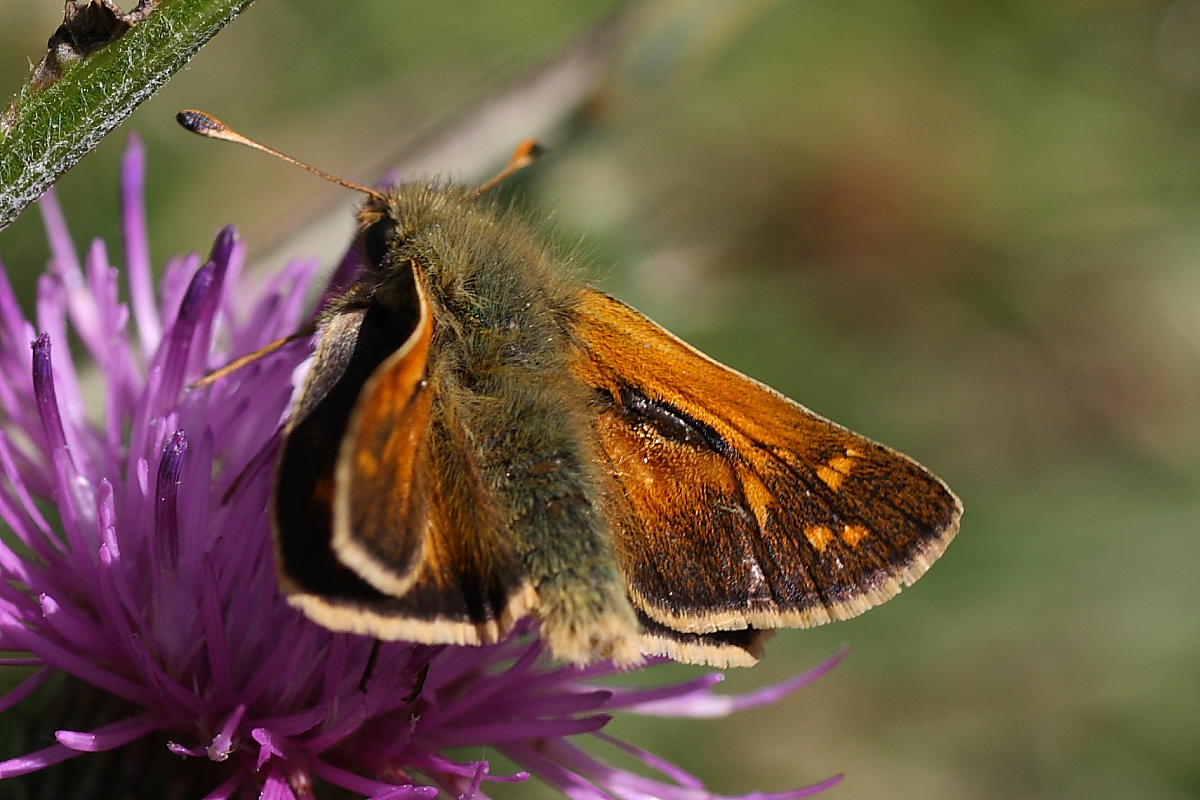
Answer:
(734, 507)
(351, 345)
(381, 526)
(382, 512)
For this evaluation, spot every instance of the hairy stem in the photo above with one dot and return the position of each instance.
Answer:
(100, 65)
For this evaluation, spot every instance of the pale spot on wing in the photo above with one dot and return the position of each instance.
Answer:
(853, 535)
(367, 462)
(833, 473)
(818, 536)
(757, 590)
(759, 497)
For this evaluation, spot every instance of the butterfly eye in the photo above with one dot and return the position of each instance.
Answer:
(377, 240)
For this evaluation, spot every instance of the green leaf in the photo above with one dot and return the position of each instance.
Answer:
(100, 64)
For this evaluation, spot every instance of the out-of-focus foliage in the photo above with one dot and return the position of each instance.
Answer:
(970, 230)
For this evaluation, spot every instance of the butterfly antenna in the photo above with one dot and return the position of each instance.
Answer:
(207, 125)
(306, 330)
(527, 153)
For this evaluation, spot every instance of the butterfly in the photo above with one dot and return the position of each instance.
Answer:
(484, 436)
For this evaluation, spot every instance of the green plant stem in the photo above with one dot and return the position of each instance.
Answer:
(56, 125)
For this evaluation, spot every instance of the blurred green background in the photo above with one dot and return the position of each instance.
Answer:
(970, 230)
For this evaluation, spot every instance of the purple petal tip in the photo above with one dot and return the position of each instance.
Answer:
(227, 239)
(41, 346)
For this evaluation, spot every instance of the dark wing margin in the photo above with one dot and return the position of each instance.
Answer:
(735, 508)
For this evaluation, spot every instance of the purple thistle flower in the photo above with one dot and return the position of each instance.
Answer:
(137, 571)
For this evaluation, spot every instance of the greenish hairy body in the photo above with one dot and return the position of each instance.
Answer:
(498, 367)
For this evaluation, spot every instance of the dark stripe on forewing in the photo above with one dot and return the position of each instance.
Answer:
(670, 422)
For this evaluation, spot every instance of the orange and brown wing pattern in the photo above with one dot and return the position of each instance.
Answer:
(734, 507)
(382, 514)
(375, 494)
(470, 585)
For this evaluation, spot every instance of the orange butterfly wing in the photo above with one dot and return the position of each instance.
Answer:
(375, 495)
(735, 508)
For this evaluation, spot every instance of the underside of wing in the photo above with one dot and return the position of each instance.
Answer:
(740, 648)
(382, 525)
(735, 508)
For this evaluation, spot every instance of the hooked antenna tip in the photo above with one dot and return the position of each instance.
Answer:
(199, 122)
(210, 127)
